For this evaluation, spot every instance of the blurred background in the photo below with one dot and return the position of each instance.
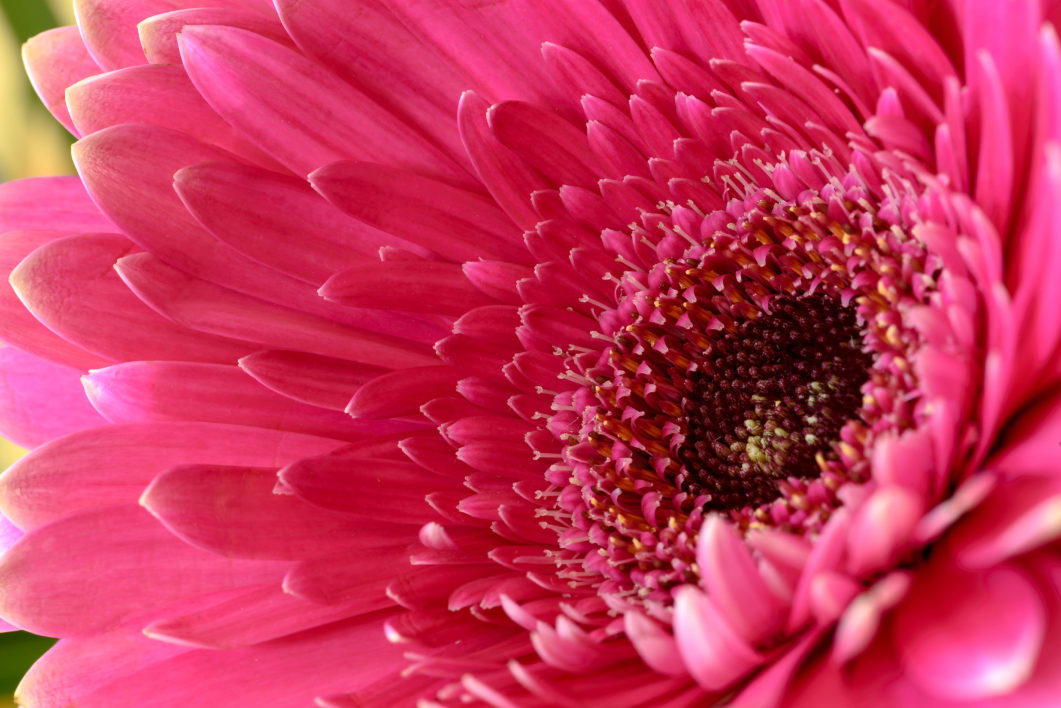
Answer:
(31, 144)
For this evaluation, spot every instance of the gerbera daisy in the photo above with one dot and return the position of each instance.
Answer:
(539, 353)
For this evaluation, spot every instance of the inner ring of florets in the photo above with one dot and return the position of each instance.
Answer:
(697, 406)
(767, 399)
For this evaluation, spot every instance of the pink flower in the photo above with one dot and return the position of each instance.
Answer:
(540, 353)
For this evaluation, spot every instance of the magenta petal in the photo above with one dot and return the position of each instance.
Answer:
(734, 584)
(226, 199)
(1030, 442)
(966, 636)
(317, 380)
(159, 33)
(401, 393)
(159, 95)
(1017, 517)
(283, 673)
(209, 393)
(881, 529)
(335, 579)
(71, 286)
(62, 476)
(52, 203)
(713, 652)
(55, 60)
(75, 667)
(456, 224)
(21, 329)
(369, 488)
(654, 644)
(236, 512)
(252, 617)
(136, 565)
(423, 287)
(266, 90)
(40, 400)
(205, 307)
(129, 171)
(546, 141)
(372, 50)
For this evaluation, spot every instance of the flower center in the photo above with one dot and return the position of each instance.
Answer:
(770, 396)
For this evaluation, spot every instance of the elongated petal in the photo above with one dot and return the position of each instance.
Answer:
(969, 636)
(52, 203)
(209, 393)
(427, 287)
(319, 381)
(136, 565)
(265, 89)
(372, 489)
(63, 476)
(70, 285)
(40, 400)
(205, 307)
(55, 60)
(235, 511)
(160, 95)
(454, 223)
(713, 653)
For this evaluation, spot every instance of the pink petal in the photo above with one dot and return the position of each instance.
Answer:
(1017, 517)
(63, 476)
(55, 60)
(860, 621)
(88, 571)
(71, 286)
(226, 199)
(283, 673)
(427, 287)
(266, 90)
(159, 33)
(21, 329)
(379, 56)
(109, 30)
(545, 141)
(995, 169)
(235, 511)
(734, 585)
(655, 645)
(209, 393)
(713, 652)
(316, 380)
(129, 170)
(464, 34)
(901, 35)
(54, 203)
(1030, 442)
(335, 579)
(253, 617)
(401, 393)
(508, 178)
(78, 666)
(966, 636)
(40, 401)
(205, 307)
(160, 95)
(372, 489)
(454, 223)
(882, 529)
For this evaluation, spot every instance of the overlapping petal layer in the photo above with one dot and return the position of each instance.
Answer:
(538, 353)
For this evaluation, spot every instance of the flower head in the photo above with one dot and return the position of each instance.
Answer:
(551, 353)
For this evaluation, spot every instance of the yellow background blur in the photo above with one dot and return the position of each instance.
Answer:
(31, 144)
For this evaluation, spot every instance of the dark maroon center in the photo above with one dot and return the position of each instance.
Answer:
(769, 398)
